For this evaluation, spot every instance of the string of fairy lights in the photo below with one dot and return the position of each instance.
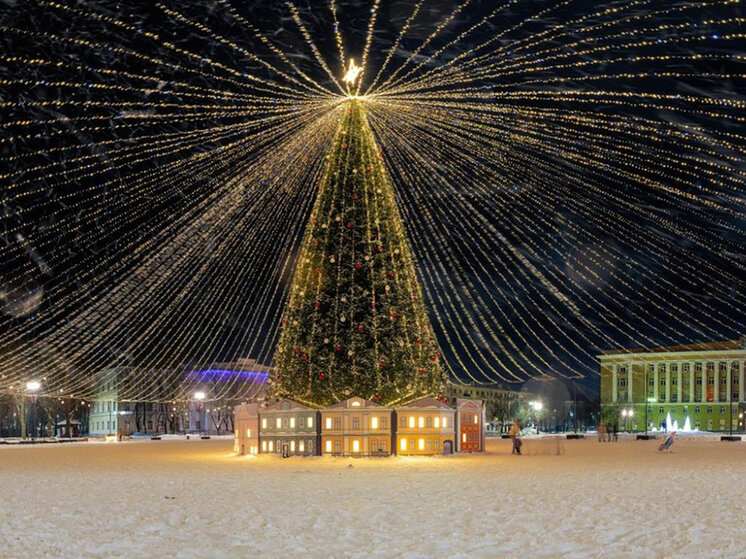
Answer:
(570, 177)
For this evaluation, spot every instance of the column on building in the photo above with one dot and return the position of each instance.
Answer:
(614, 381)
(741, 387)
(716, 383)
(729, 385)
(704, 382)
(692, 387)
(680, 380)
(630, 394)
(668, 383)
(656, 383)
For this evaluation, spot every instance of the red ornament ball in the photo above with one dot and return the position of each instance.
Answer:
(391, 274)
(349, 226)
(297, 349)
(322, 376)
(369, 168)
(373, 304)
(315, 222)
(360, 329)
(394, 315)
(337, 347)
(383, 363)
(421, 371)
(344, 146)
(358, 265)
(303, 357)
(376, 397)
(355, 197)
(317, 304)
(419, 342)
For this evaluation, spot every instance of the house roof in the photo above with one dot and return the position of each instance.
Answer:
(727, 345)
(427, 403)
(351, 403)
(286, 404)
(462, 403)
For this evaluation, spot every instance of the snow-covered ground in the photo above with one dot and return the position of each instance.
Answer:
(193, 499)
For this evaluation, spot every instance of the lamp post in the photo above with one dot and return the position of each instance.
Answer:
(199, 396)
(536, 406)
(32, 387)
(627, 414)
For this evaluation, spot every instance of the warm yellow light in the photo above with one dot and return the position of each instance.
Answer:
(278, 422)
(264, 423)
(421, 422)
(310, 421)
(292, 446)
(411, 422)
(463, 437)
(328, 446)
(403, 444)
(248, 433)
(355, 446)
(437, 422)
(328, 422)
(421, 443)
(374, 423)
(355, 404)
(271, 446)
(353, 71)
(264, 446)
(292, 422)
(301, 446)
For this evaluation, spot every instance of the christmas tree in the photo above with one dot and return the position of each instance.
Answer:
(356, 323)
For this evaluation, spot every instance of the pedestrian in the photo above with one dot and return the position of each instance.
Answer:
(514, 433)
(601, 432)
(608, 431)
(616, 431)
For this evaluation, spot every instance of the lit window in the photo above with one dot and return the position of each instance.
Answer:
(264, 446)
(271, 446)
(248, 433)
(437, 422)
(301, 446)
(264, 423)
(355, 446)
(292, 446)
(411, 422)
(292, 422)
(328, 446)
(374, 423)
(421, 444)
(279, 422)
(328, 422)
(310, 421)
(421, 422)
(476, 418)
(463, 437)
(355, 403)
(403, 444)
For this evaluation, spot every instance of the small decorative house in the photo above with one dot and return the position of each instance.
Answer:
(289, 428)
(356, 427)
(470, 425)
(424, 427)
(247, 429)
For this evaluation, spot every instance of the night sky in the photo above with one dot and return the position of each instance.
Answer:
(575, 185)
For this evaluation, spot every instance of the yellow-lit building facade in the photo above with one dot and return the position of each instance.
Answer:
(246, 421)
(356, 427)
(425, 427)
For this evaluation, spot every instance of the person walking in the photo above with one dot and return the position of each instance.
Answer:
(616, 431)
(514, 433)
(601, 432)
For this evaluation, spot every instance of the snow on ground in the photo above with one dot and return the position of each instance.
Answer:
(189, 499)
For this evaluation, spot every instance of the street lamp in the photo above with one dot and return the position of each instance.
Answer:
(627, 414)
(199, 396)
(32, 387)
(536, 406)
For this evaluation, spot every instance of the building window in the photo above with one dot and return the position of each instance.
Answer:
(429, 421)
(711, 381)
(384, 423)
(429, 445)
(709, 409)
(622, 381)
(674, 381)
(723, 366)
(661, 368)
(663, 381)
(421, 444)
(622, 370)
(374, 423)
(278, 422)
(674, 368)
(710, 366)
(337, 423)
(301, 446)
(436, 444)
(698, 367)
(356, 423)
(722, 410)
(699, 381)
(264, 446)
(355, 445)
(301, 422)
(437, 423)
(651, 381)
(328, 422)
(292, 446)
(411, 444)
(686, 381)
(696, 409)
(374, 445)
(421, 422)
(264, 423)
(271, 446)
(383, 445)
(292, 423)
(403, 421)
(403, 444)
(411, 422)
(651, 368)
(337, 447)
(685, 409)
(661, 410)
(686, 367)
(328, 446)
(284, 422)
(735, 381)
(310, 421)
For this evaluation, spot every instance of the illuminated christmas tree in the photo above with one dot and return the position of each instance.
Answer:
(356, 323)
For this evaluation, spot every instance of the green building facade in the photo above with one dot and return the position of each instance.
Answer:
(703, 383)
